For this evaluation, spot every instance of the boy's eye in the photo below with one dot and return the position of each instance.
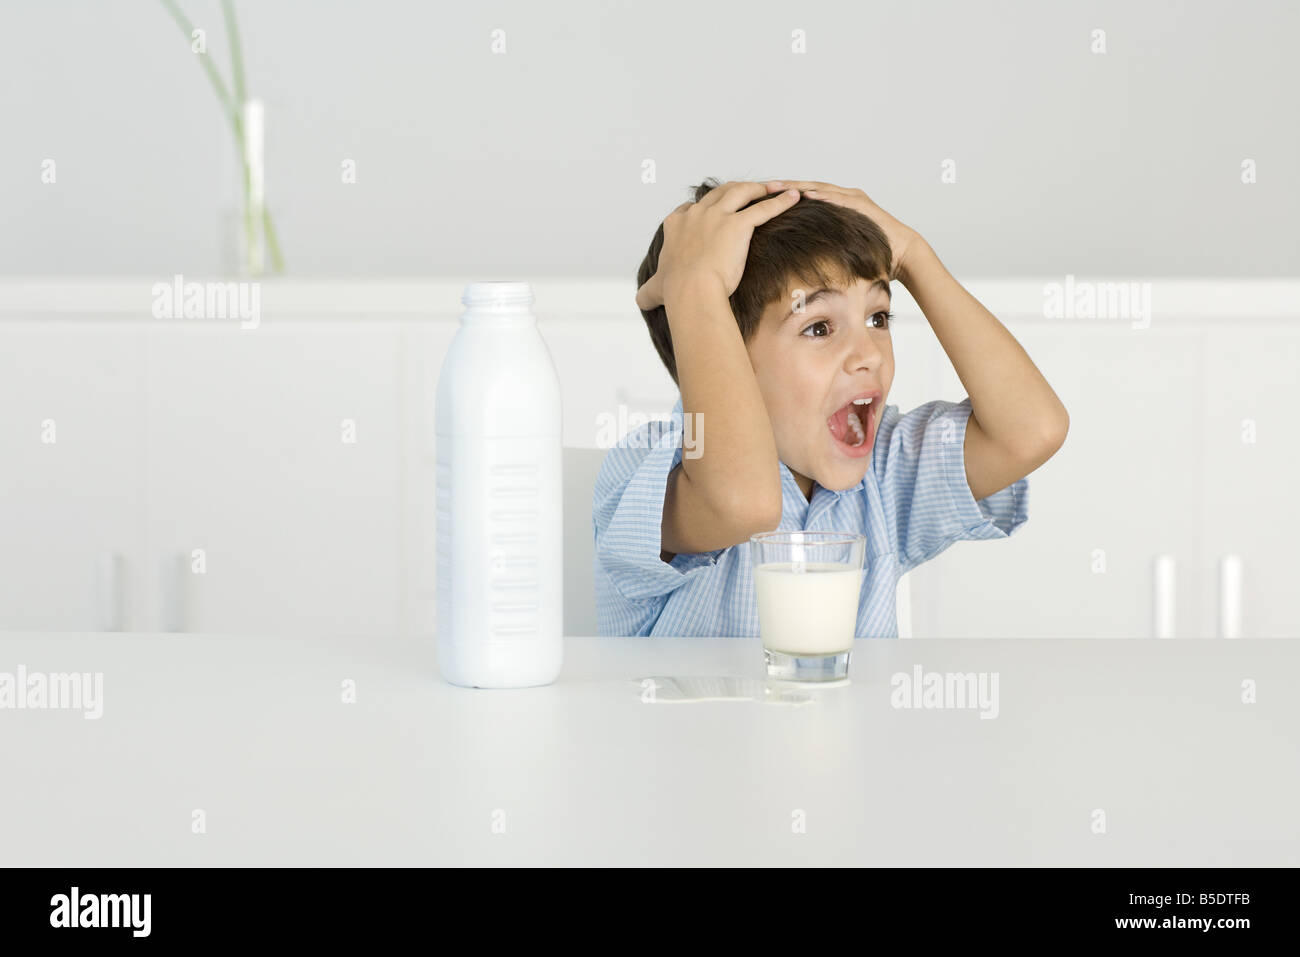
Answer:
(884, 318)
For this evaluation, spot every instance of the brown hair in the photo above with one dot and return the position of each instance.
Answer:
(814, 241)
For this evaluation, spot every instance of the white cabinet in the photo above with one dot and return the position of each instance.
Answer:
(274, 479)
(1154, 465)
(72, 413)
(195, 476)
(1251, 462)
(281, 479)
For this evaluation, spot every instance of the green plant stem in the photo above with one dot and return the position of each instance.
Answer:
(236, 53)
(272, 244)
(234, 113)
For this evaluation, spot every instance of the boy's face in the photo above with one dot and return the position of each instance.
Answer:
(810, 364)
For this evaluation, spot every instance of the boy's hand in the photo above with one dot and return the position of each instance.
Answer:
(710, 239)
(901, 238)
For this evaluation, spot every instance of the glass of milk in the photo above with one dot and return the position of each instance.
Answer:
(808, 585)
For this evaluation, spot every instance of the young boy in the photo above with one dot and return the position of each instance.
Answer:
(769, 305)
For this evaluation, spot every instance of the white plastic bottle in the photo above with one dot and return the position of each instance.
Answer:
(500, 541)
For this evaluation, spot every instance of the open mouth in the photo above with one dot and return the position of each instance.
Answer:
(853, 426)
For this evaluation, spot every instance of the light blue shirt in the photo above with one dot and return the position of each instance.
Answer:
(913, 502)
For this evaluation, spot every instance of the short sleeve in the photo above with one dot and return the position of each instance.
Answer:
(627, 515)
(924, 489)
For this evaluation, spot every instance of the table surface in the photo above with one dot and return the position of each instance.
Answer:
(1102, 752)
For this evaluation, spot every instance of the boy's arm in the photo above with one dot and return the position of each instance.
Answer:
(1017, 422)
(733, 488)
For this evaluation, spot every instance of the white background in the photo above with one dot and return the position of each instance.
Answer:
(529, 163)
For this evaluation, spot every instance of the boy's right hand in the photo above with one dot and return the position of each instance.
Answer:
(709, 240)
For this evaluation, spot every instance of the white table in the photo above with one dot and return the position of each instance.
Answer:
(253, 731)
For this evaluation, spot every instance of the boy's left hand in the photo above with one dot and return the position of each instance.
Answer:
(901, 238)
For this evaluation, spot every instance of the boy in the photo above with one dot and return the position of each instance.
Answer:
(769, 305)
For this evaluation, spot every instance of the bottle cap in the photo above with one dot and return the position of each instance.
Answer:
(491, 294)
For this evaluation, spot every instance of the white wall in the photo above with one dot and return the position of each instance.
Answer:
(528, 164)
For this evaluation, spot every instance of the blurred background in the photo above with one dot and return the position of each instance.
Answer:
(531, 160)
(159, 473)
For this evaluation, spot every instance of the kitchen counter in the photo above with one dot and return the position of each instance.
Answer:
(250, 737)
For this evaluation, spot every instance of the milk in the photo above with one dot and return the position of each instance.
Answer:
(813, 612)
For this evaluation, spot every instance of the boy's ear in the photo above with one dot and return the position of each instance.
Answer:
(650, 295)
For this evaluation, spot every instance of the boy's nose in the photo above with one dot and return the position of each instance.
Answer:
(863, 347)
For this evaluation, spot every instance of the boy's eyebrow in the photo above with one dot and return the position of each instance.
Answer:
(825, 293)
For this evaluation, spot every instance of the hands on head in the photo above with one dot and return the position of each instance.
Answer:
(710, 239)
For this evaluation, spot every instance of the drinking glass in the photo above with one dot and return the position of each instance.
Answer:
(808, 585)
